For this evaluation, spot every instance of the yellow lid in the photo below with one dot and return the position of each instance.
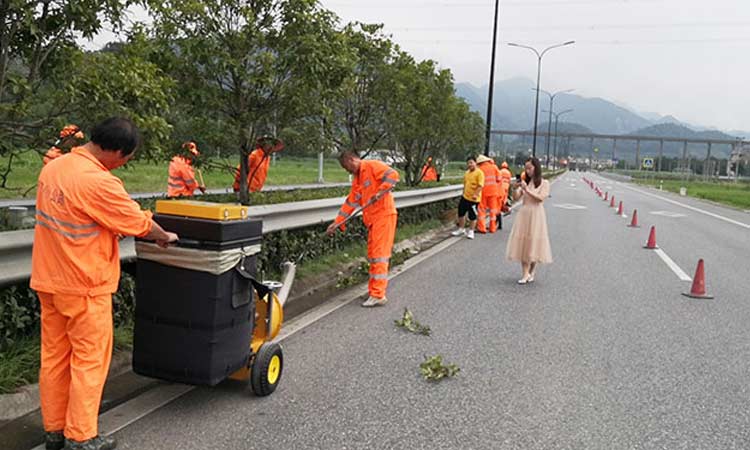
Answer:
(202, 210)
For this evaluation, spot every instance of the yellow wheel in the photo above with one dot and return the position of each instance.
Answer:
(266, 370)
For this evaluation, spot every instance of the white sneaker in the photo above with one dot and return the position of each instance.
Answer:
(458, 232)
(372, 301)
(470, 234)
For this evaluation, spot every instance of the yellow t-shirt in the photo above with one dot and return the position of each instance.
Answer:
(473, 181)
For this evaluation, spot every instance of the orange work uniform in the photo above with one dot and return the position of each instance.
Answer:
(52, 153)
(429, 173)
(505, 176)
(490, 203)
(81, 210)
(257, 171)
(374, 178)
(181, 180)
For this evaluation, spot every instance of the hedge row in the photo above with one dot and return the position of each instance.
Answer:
(19, 308)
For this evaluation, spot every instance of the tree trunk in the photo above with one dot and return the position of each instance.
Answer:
(244, 193)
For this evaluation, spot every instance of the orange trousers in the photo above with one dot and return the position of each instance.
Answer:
(76, 352)
(380, 236)
(489, 206)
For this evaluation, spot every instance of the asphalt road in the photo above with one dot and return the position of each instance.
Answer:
(601, 352)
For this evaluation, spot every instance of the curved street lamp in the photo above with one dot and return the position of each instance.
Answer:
(557, 118)
(549, 121)
(539, 56)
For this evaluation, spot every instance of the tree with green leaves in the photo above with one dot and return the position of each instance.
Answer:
(249, 64)
(46, 80)
(425, 117)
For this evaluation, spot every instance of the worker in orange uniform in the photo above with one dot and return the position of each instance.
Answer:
(506, 176)
(491, 193)
(372, 183)
(75, 269)
(182, 180)
(69, 136)
(429, 172)
(258, 162)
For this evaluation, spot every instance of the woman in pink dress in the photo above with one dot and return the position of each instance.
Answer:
(529, 241)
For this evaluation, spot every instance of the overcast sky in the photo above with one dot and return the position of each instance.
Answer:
(687, 58)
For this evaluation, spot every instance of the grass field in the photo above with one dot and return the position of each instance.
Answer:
(728, 193)
(143, 176)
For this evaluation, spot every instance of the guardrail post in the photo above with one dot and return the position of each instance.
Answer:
(320, 168)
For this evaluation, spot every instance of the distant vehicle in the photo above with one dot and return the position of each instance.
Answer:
(389, 157)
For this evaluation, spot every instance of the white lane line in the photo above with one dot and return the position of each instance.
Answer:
(133, 410)
(673, 265)
(692, 208)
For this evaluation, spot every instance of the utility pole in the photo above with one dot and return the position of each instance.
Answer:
(488, 136)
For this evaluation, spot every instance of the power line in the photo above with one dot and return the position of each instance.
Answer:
(402, 5)
(581, 27)
(585, 42)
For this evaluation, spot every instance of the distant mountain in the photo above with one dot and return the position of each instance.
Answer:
(513, 108)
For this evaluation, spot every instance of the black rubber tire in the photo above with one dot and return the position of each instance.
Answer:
(259, 375)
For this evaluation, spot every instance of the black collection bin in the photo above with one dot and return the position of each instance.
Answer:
(190, 326)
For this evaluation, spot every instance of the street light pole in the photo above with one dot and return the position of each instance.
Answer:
(557, 118)
(538, 80)
(549, 121)
(492, 83)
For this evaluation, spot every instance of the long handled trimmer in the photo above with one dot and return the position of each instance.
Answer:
(369, 203)
(200, 175)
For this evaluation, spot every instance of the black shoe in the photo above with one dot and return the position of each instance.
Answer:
(54, 440)
(97, 443)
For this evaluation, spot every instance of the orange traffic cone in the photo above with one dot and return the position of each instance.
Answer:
(651, 244)
(612, 202)
(619, 210)
(634, 222)
(606, 196)
(698, 290)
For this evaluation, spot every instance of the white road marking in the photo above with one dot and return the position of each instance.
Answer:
(673, 265)
(670, 214)
(569, 206)
(692, 208)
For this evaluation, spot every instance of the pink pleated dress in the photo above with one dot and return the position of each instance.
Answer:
(529, 239)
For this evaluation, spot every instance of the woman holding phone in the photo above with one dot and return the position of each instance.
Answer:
(528, 242)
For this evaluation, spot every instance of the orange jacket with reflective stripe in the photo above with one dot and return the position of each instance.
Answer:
(506, 176)
(429, 173)
(257, 168)
(492, 181)
(373, 177)
(181, 179)
(81, 210)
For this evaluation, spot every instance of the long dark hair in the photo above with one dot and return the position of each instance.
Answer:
(537, 170)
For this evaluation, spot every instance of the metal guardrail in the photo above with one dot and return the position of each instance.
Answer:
(30, 202)
(15, 246)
